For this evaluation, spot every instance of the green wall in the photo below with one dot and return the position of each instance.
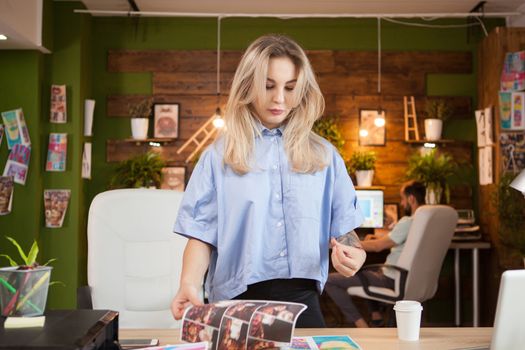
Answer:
(21, 74)
(26, 80)
(80, 44)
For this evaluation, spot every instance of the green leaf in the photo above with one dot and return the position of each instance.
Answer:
(33, 252)
(20, 251)
(49, 262)
(11, 261)
(57, 283)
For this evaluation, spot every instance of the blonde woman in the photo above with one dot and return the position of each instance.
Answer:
(269, 198)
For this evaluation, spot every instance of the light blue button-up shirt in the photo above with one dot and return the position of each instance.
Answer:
(269, 223)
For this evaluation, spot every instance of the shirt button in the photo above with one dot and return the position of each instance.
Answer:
(282, 253)
(279, 224)
(278, 196)
(274, 167)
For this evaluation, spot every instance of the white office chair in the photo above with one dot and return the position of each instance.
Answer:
(134, 258)
(420, 262)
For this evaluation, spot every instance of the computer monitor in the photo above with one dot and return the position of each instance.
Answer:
(371, 203)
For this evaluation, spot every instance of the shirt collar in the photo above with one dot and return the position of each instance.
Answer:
(267, 132)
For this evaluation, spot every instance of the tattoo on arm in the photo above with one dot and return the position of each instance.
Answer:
(350, 239)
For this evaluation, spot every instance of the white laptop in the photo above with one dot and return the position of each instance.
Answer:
(509, 328)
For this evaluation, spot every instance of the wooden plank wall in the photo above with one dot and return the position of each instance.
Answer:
(348, 80)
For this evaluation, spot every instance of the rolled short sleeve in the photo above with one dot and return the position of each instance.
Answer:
(399, 233)
(346, 214)
(197, 217)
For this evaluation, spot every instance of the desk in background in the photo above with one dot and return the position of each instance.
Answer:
(369, 339)
(475, 246)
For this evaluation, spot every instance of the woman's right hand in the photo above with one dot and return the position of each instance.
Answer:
(186, 296)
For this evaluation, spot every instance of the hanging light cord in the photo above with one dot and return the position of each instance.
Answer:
(379, 55)
(218, 61)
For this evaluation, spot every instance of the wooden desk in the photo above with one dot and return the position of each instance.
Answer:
(475, 246)
(369, 339)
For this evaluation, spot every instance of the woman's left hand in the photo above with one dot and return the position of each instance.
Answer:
(347, 260)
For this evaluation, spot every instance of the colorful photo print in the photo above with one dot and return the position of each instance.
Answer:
(257, 344)
(300, 343)
(283, 311)
(335, 342)
(58, 113)
(55, 205)
(6, 194)
(269, 327)
(208, 314)
(244, 310)
(166, 120)
(173, 178)
(194, 332)
(233, 334)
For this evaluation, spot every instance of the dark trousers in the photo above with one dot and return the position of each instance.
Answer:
(295, 290)
(337, 285)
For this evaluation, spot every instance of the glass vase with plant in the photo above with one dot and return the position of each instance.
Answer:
(362, 163)
(437, 112)
(435, 172)
(24, 286)
(140, 113)
(143, 170)
(511, 210)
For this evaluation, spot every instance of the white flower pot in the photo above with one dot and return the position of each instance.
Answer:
(433, 196)
(139, 128)
(364, 177)
(433, 128)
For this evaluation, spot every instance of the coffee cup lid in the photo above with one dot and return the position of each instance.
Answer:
(407, 305)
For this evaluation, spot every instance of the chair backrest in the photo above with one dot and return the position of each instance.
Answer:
(427, 244)
(134, 258)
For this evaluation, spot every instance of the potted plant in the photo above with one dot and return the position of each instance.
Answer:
(434, 171)
(511, 209)
(140, 114)
(362, 163)
(437, 111)
(24, 287)
(143, 170)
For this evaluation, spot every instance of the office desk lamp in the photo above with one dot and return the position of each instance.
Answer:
(519, 182)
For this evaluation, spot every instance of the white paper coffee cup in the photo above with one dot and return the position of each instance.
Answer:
(408, 318)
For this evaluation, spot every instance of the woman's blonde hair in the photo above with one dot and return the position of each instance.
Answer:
(305, 150)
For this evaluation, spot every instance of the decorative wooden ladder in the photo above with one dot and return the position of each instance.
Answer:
(410, 119)
(199, 138)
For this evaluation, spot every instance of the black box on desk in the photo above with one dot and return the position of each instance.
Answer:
(66, 330)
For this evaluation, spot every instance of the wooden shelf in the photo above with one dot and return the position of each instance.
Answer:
(159, 140)
(439, 142)
(380, 188)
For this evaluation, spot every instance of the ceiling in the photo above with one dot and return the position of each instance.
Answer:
(21, 21)
(305, 6)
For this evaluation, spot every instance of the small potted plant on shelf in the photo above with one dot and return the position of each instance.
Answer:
(362, 163)
(141, 171)
(140, 114)
(511, 209)
(24, 287)
(437, 111)
(434, 171)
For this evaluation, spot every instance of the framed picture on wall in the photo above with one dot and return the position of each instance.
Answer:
(372, 131)
(173, 178)
(390, 216)
(166, 119)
